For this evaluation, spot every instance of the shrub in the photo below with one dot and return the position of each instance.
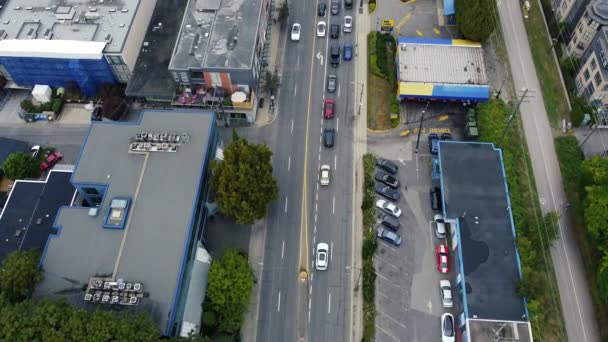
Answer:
(57, 105)
(209, 320)
(579, 109)
(372, 7)
(395, 122)
(369, 245)
(369, 281)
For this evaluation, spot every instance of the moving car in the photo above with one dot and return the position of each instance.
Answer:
(387, 191)
(443, 259)
(433, 143)
(446, 137)
(35, 150)
(388, 207)
(321, 29)
(334, 55)
(439, 225)
(387, 165)
(436, 199)
(296, 29)
(51, 160)
(325, 169)
(388, 235)
(328, 109)
(335, 6)
(322, 261)
(334, 30)
(387, 179)
(390, 222)
(447, 328)
(445, 290)
(321, 9)
(332, 83)
(348, 23)
(329, 135)
(348, 4)
(348, 51)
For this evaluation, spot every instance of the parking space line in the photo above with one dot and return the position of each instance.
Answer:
(391, 318)
(387, 333)
(378, 292)
(329, 304)
(386, 262)
(390, 281)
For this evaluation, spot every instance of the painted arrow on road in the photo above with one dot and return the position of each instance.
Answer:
(320, 57)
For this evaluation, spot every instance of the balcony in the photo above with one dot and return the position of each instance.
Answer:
(212, 99)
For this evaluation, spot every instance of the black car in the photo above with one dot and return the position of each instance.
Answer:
(387, 191)
(322, 9)
(390, 222)
(348, 4)
(436, 199)
(334, 30)
(387, 179)
(329, 136)
(446, 137)
(334, 55)
(387, 165)
(433, 143)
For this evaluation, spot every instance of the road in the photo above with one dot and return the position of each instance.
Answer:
(306, 213)
(576, 302)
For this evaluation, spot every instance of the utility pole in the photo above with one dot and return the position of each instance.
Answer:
(555, 40)
(513, 113)
(420, 127)
(500, 89)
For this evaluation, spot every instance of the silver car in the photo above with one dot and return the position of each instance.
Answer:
(332, 83)
(439, 224)
(388, 235)
(445, 289)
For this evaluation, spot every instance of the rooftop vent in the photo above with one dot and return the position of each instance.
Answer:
(112, 10)
(48, 34)
(124, 10)
(92, 15)
(108, 38)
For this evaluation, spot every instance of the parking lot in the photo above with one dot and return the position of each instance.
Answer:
(408, 301)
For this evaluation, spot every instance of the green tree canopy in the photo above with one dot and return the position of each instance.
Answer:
(244, 181)
(595, 171)
(19, 274)
(229, 288)
(476, 19)
(596, 214)
(20, 165)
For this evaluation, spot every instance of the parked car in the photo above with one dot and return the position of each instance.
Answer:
(348, 51)
(334, 55)
(387, 179)
(443, 259)
(322, 260)
(390, 222)
(334, 30)
(332, 83)
(433, 143)
(387, 165)
(35, 150)
(348, 23)
(439, 225)
(321, 9)
(387, 191)
(445, 290)
(448, 333)
(436, 199)
(329, 136)
(51, 160)
(296, 29)
(388, 235)
(321, 29)
(328, 109)
(388, 207)
(325, 170)
(446, 137)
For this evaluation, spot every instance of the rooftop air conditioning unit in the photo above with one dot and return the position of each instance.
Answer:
(137, 287)
(88, 297)
(93, 212)
(133, 300)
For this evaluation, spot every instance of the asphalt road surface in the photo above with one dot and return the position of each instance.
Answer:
(573, 292)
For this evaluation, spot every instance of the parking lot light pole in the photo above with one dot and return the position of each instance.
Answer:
(420, 126)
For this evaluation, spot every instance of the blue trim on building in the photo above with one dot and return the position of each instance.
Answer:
(461, 92)
(422, 40)
(448, 7)
(121, 225)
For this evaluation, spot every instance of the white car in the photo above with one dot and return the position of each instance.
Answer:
(348, 23)
(321, 29)
(445, 289)
(388, 207)
(35, 150)
(448, 333)
(325, 169)
(295, 32)
(322, 261)
(439, 224)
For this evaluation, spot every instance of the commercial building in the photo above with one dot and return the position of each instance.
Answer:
(487, 265)
(26, 220)
(592, 77)
(53, 42)
(592, 19)
(137, 244)
(441, 70)
(218, 57)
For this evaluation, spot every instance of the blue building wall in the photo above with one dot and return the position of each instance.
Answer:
(89, 74)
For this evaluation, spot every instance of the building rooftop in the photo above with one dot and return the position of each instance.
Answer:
(151, 77)
(446, 61)
(161, 190)
(598, 10)
(27, 218)
(217, 34)
(475, 192)
(82, 20)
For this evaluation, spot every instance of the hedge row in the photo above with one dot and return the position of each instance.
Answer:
(55, 106)
(368, 249)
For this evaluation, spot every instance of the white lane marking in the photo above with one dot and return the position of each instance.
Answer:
(333, 205)
(295, 90)
(319, 148)
(298, 59)
(337, 124)
(329, 304)
(314, 239)
(310, 291)
(319, 154)
(289, 163)
(331, 251)
(335, 163)
(316, 203)
(285, 203)
(291, 126)
(317, 186)
(315, 222)
(312, 276)
(315, 231)
(338, 90)
(283, 250)
(279, 303)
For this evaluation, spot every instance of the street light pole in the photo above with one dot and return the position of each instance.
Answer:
(420, 127)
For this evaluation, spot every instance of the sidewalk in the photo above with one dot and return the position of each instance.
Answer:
(257, 240)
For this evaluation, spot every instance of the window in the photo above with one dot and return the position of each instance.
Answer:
(90, 191)
(598, 79)
(605, 87)
(580, 46)
(590, 89)
(594, 24)
(564, 4)
(578, 84)
(593, 64)
(115, 60)
(586, 75)
(216, 80)
(587, 36)
(579, 27)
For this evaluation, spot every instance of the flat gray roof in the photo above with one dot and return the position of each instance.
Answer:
(163, 188)
(79, 20)
(208, 32)
(441, 63)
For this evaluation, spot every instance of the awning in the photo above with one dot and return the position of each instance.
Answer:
(448, 7)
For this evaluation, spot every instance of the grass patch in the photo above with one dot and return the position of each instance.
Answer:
(546, 69)
(381, 81)
(368, 249)
(539, 284)
(379, 96)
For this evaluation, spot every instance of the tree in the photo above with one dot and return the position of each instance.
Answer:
(20, 165)
(596, 215)
(72, 91)
(244, 182)
(229, 288)
(19, 274)
(283, 12)
(595, 171)
(476, 19)
(271, 82)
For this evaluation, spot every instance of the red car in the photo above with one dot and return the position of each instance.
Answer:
(328, 109)
(443, 259)
(50, 160)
